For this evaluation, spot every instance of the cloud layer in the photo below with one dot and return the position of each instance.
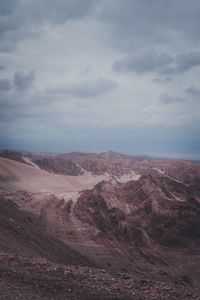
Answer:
(128, 68)
(86, 89)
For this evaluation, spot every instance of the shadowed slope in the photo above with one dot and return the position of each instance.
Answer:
(24, 234)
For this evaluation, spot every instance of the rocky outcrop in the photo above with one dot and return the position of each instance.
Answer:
(76, 163)
(58, 165)
(13, 155)
(152, 211)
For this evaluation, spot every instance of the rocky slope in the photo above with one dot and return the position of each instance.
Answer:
(118, 165)
(147, 229)
(58, 165)
(13, 155)
(147, 212)
(38, 279)
(76, 163)
(24, 234)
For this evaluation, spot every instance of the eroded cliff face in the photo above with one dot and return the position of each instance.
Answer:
(58, 165)
(150, 211)
(77, 163)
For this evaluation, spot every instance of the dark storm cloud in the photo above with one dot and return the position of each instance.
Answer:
(132, 21)
(138, 25)
(183, 62)
(61, 10)
(147, 62)
(7, 6)
(7, 17)
(187, 61)
(43, 11)
(152, 21)
(163, 64)
(5, 85)
(86, 89)
(19, 19)
(23, 81)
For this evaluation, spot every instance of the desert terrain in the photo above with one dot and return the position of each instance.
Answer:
(98, 226)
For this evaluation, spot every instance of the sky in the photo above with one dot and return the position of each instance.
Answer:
(98, 75)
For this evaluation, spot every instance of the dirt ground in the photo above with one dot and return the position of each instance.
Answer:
(25, 279)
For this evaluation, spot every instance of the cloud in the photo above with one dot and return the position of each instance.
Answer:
(7, 17)
(132, 22)
(7, 6)
(168, 99)
(86, 89)
(23, 81)
(2, 68)
(58, 11)
(194, 92)
(73, 45)
(191, 95)
(20, 19)
(187, 61)
(147, 62)
(5, 85)
(182, 63)
(151, 22)
(163, 64)
(167, 79)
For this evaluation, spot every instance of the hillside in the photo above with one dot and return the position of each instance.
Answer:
(126, 215)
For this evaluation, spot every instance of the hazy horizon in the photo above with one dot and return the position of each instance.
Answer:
(147, 154)
(97, 75)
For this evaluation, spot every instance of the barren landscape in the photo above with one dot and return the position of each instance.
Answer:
(99, 226)
(99, 150)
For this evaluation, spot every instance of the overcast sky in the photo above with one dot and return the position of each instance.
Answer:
(94, 75)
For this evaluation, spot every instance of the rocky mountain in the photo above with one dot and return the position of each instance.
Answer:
(146, 212)
(130, 225)
(97, 164)
(13, 155)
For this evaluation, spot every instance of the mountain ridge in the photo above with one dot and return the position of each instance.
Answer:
(123, 214)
